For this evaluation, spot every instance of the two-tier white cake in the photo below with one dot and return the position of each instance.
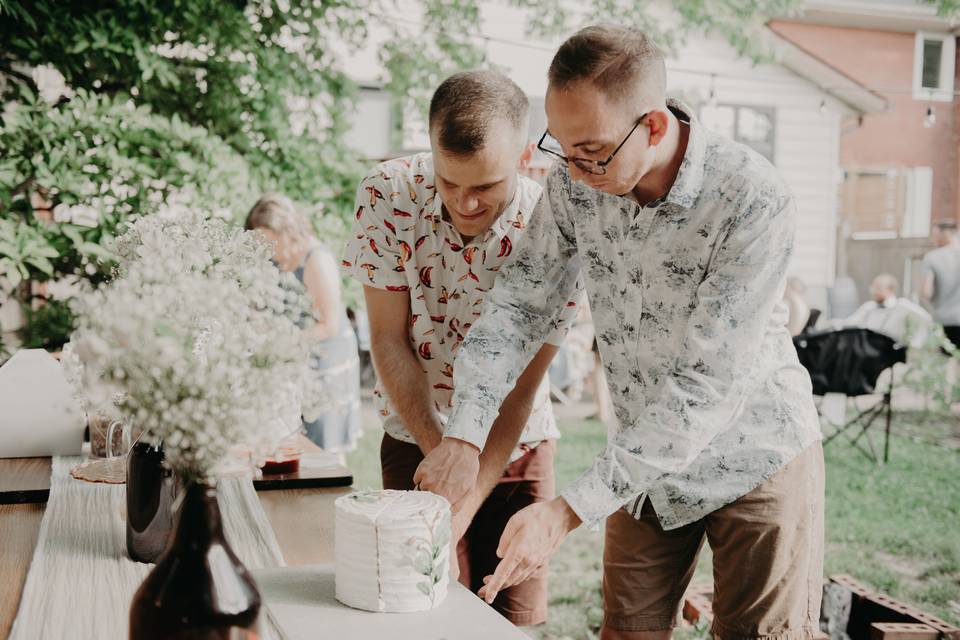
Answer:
(392, 550)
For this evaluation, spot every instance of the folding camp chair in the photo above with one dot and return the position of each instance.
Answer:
(850, 361)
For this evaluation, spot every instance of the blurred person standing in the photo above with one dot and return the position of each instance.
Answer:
(941, 280)
(334, 357)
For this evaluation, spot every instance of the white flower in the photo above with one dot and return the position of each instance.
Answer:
(61, 213)
(196, 337)
(84, 215)
(50, 83)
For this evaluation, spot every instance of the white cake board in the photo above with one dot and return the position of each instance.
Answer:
(301, 600)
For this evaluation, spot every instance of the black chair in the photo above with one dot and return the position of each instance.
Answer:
(811, 321)
(849, 361)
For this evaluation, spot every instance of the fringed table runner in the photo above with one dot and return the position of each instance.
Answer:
(81, 582)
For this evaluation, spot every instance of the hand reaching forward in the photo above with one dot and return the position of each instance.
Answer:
(530, 538)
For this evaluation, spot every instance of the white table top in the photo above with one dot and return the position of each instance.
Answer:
(301, 600)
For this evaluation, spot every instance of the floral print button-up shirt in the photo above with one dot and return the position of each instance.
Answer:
(403, 242)
(686, 297)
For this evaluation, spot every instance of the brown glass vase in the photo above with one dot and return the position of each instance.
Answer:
(199, 590)
(151, 491)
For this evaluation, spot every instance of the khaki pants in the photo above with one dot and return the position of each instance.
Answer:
(767, 560)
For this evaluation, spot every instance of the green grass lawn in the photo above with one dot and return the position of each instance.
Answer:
(895, 527)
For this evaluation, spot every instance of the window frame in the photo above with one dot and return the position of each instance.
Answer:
(948, 53)
(770, 110)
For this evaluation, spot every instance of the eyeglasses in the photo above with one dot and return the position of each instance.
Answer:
(596, 167)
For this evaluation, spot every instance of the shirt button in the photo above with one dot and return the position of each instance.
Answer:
(449, 334)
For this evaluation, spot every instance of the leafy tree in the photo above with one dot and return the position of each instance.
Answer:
(239, 70)
(95, 161)
(177, 102)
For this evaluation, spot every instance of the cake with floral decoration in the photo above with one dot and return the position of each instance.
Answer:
(392, 550)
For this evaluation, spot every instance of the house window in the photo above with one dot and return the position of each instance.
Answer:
(894, 202)
(754, 126)
(934, 60)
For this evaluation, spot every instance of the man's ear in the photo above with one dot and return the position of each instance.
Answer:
(526, 157)
(657, 122)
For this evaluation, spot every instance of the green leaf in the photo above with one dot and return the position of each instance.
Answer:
(41, 264)
(72, 233)
(93, 249)
(423, 563)
(14, 276)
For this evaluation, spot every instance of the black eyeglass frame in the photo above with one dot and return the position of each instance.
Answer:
(595, 167)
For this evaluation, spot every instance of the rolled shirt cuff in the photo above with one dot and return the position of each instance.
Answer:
(466, 422)
(591, 499)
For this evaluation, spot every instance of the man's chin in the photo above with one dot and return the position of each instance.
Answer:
(472, 227)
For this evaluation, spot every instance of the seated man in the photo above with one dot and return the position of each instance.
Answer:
(431, 234)
(885, 313)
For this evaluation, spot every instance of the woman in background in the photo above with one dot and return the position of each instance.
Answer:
(334, 352)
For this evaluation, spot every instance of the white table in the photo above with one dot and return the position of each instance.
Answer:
(301, 599)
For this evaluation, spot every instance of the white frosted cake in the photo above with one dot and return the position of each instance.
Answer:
(392, 550)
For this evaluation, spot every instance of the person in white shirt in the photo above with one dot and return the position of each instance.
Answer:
(941, 280)
(683, 239)
(430, 235)
(887, 314)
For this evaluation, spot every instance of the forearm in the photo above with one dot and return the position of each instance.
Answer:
(409, 391)
(322, 329)
(507, 427)
(503, 439)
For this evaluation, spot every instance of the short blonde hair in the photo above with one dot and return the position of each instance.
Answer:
(276, 212)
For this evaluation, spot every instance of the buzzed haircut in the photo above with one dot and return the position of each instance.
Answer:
(466, 104)
(620, 61)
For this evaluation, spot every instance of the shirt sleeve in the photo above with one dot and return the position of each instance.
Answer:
(374, 255)
(523, 308)
(568, 315)
(858, 317)
(738, 302)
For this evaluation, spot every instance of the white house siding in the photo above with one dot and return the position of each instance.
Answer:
(806, 143)
(807, 137)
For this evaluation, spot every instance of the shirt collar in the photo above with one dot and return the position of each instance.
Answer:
(686, 188)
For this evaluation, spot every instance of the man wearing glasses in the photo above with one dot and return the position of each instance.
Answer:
(684, 240)
(431, 233)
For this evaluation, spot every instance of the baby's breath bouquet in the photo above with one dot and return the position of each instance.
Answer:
(195, 341)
